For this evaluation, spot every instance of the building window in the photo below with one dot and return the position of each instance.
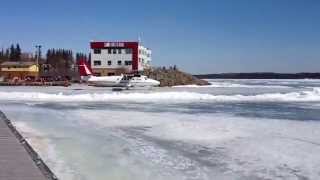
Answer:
(119, 51)
(119, 63)
(128, 51)
(109, 51)
(111, 74)
(109, 63)
(128, 63)
(97, 51)
(97, 63)
(114, 51)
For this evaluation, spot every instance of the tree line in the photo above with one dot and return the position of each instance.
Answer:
(58, 60)
(82, 56)
(63, 60)
(11, 54)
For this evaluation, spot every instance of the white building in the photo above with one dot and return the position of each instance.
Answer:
(112, 58)
(145, 56)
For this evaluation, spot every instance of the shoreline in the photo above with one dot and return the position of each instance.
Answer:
(44, 169)
(47, 84)
(257, 75)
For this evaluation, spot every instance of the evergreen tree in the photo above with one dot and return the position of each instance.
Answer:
(7, 54)
(12, 55)
(2, 57)
(17, 53)
(81, 56)
(61, 59)
(4, 54)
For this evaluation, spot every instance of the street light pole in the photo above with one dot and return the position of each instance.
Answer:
(38, 55)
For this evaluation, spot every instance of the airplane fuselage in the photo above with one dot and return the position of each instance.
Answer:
(135, 80)
(122, 81)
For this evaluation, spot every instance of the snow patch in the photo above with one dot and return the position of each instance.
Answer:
(302, 96)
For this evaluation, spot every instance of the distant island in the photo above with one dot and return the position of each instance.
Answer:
(263, 75)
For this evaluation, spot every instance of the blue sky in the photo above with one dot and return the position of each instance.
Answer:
(205, 36)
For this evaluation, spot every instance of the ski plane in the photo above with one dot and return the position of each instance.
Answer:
(127, 81)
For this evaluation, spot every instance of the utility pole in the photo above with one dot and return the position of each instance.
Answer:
(38, 53)
(38, 56)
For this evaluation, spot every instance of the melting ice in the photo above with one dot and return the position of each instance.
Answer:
(239, 130)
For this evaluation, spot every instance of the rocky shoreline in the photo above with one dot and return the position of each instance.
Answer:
(173, 77)
(33, 154)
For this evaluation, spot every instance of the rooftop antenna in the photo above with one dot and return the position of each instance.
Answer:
(139, 40)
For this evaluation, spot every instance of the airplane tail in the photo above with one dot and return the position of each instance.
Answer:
(84, 69)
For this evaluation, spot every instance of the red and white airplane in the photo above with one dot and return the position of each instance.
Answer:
(115, 81)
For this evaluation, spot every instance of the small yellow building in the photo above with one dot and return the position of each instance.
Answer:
(21, 70)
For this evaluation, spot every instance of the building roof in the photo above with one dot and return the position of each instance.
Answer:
(18, 63)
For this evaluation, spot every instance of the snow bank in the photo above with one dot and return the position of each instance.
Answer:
(303, 96)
